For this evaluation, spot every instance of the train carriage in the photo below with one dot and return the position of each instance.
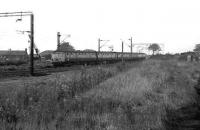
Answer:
(88, 57)
(106, 56)
(84, 57)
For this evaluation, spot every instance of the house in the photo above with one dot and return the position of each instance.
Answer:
(13, 56)
(190, 56)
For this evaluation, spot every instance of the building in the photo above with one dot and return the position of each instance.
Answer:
(190, 56)
(13, 56)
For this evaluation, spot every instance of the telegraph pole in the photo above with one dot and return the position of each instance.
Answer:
(122, 51)
(58, 40)
(32, 44)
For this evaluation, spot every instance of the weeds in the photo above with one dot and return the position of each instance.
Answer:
(141, 98)
(43, 102)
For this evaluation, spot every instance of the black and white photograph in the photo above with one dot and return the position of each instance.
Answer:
(100, 65)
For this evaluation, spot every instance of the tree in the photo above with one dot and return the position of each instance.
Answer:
(154, 47)
(197, 48)
(65, 46)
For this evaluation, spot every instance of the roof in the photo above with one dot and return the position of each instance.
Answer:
(78, 51)
(12, 52)
(47, 52)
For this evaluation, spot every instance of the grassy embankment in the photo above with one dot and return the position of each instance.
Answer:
(141, 98)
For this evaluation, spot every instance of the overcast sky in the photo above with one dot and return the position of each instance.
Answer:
(175, 23)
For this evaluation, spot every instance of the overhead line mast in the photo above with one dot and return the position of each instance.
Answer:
(99, 44)
(131, 46)
(15, 14)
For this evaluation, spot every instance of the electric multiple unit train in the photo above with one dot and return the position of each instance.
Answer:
(93, 57)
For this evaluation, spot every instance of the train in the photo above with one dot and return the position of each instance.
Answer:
(92, 57)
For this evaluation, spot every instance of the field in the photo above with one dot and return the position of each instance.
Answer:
(149, 95)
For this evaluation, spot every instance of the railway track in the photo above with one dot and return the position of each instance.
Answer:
(41, 71)
(37, 71)
(23, 71)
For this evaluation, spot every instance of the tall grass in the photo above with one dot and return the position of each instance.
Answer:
(39, 104)
(142, 97)
(94, 99)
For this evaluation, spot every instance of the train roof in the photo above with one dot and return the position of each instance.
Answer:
(96, 51)
(13, 52)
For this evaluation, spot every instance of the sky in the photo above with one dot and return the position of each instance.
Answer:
(174, 23)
